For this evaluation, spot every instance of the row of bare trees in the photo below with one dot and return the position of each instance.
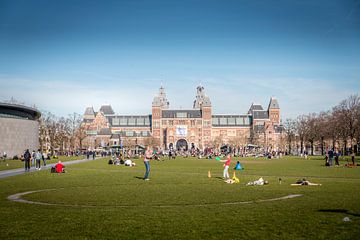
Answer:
(60, 133)
(338, 128)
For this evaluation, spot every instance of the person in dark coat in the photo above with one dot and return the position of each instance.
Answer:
(27, 157)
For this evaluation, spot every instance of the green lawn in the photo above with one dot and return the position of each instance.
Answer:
(11, 164)
(94, 200)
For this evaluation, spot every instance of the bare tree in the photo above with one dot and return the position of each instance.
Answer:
(348, 116)
(302, 130)
(290, 130)
(74, 123)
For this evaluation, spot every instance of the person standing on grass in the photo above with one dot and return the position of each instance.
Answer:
(38, 157)
(27, 157)
(226, 166)
(148, 155)
(33, 162)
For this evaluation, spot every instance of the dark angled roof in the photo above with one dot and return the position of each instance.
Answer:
(231, 120)
(89, 111)
(181, 114)
(130, 121)
(104, 131)
(8, 110)
(255, 106)
(260, 114)
(273, 104)
(107, 110)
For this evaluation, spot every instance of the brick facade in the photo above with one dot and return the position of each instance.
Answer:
(197, 127)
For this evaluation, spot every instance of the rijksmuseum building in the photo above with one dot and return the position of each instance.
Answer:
(192, 128)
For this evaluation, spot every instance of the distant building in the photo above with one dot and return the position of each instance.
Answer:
(19, 129)
(191, 128)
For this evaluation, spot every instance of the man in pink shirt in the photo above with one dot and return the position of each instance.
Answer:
(226, 166)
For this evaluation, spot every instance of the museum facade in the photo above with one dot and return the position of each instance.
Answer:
(184, 129)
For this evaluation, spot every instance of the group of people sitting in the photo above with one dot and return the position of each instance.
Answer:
(119, 162)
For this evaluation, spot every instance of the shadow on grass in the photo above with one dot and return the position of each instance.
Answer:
(339, 211)
(142, 178)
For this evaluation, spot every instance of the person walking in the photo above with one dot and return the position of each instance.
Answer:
(226, 167)
(38, 157)
(27, 157)
(33, 163)
(148, 155)
(44, 157)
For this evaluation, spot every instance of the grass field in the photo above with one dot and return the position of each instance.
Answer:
(94, 200)
(12, 164)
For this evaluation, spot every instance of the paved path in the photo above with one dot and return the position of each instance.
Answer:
(17, 171)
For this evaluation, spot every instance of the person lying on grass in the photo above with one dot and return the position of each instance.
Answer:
(260, 181)
(304, 182)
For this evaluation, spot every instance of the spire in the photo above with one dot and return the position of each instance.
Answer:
(160, 99)
(273, 104)
(201, 100)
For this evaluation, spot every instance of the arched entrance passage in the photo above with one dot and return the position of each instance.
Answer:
(182, 145)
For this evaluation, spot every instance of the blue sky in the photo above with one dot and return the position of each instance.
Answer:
(63, 56)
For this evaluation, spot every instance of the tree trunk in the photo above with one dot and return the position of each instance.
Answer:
(312, 147)
(289, 146)
(345, 143)
(301, 145)
(322, 146)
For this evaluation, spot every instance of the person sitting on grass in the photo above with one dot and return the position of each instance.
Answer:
(59, 167)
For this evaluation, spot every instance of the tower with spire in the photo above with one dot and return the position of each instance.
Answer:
(274, 111)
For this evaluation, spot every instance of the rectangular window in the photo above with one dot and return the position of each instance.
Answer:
(246, 121)
(181, 115)
(144, 133)
(115, 121)
(129, 133)
(131, 121)
(231, 121)
(123, 121)
(171, 122)
(223, 121)
(163, 122)
(140, 121)
(215, 121)
(147, 121)
(240, 121)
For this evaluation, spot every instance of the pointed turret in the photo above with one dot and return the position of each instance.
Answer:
(273, 104)
(274, 111)
(160, 99)
(201, 100)
(89, 113)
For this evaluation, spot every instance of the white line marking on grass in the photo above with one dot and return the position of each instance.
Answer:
(18, 198)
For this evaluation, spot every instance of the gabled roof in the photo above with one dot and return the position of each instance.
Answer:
(255, 106)
(89, 111)
(273, 104)
(107, 110)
